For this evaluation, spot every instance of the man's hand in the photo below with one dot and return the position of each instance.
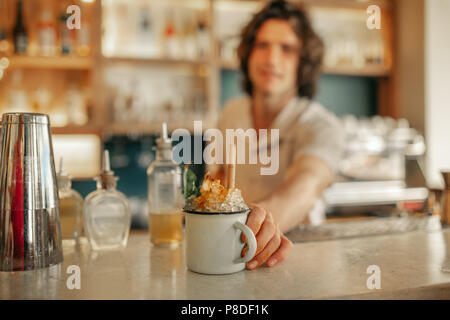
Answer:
(272, 245)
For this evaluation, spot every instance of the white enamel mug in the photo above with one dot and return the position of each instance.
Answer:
(213, 241)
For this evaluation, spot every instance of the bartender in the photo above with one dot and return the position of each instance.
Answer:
(280, 57)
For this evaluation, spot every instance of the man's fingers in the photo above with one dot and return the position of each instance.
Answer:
(244, 251)
(281, 254)
(267, 231)
(264, 235)
(262, 257)
(255, 220)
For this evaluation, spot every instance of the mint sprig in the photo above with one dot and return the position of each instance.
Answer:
(189, 182)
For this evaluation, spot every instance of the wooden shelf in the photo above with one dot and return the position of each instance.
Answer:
(154, 128)
(338, 4)
(229, 65)
(161, 61)
(62, 62)
(88, 129)
(347, 4)
(367, 71)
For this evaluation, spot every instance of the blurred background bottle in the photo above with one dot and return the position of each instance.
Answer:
(202, 39)
(46, 28)
(20, 34)
(83, 47)
(145, 34)
(70, 208)
(5, 44)
(75, 105)
(66, 38)
(18, 96)
(171, 38)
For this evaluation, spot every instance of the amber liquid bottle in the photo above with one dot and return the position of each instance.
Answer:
(165, 197)
(70, 209)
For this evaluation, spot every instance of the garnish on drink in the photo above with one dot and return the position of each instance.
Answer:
(214, 197)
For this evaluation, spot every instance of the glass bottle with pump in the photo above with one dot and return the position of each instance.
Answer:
(70, 208)
(106, 214)
(165, 199)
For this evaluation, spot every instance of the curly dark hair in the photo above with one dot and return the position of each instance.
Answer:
(311, 52)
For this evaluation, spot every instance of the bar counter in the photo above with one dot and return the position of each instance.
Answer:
(410, 265)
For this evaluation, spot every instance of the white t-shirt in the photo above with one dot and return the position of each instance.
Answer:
(305, 127)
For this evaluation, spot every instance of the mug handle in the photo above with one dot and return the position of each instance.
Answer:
(251, 242)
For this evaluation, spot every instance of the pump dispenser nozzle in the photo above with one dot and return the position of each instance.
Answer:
(164, 131)
(61, 170)
(106, 178)
(164, 141)
(63, 178)
(106, 166)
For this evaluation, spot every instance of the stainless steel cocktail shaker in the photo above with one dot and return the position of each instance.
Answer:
(30, 234)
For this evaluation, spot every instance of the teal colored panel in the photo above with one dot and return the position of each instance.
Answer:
(340, 94)
(231, 85)
(348, 94)
(84, 187)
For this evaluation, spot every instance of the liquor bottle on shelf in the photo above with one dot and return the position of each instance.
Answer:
(42, 99)
(202, 40)
(18, 97)
(170, 39)
(189, 39)
(20, 34)
(66, 35)
(83, 47)
(76, 106)
(146, 42)
(47, 34)
(70, 208)
(119, 105)
(165, 199)
(106, 213)
(5, 44)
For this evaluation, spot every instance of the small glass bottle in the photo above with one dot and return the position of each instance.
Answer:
(70, 208)
(165, 199)
(106, 214)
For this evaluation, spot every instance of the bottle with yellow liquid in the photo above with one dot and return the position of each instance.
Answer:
(70, 208)
(165, 199)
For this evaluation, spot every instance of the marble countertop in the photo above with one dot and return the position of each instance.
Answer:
(410, 266)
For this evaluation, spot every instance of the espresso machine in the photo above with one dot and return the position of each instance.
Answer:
(381, 171)
(380, 186)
